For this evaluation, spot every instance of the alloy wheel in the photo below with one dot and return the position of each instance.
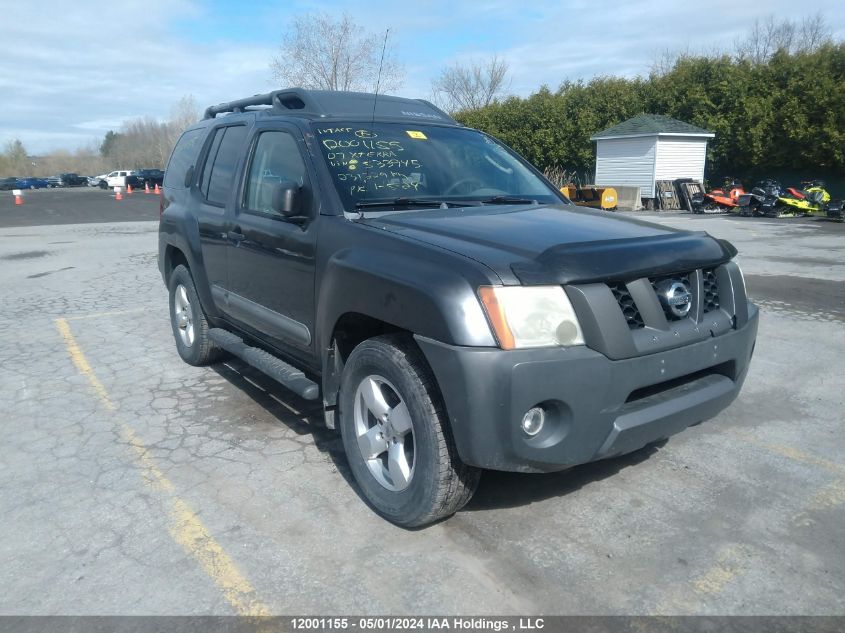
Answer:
(384, 432)
(182, 315)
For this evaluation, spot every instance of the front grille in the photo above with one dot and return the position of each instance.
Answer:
(627, 305)
(709, 299)
(711, 290)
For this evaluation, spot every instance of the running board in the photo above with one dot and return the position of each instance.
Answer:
(265, 362)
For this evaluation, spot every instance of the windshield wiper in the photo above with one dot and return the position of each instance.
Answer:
(508, 200)
(410, 202)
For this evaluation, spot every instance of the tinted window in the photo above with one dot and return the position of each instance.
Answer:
(182, 158)
(223, 171)
(217, 136)
(276, 159)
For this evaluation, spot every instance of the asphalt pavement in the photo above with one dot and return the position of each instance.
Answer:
(75, 205)
(132, 483)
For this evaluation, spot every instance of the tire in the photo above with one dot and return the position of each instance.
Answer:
(436, 483)
(187, 319)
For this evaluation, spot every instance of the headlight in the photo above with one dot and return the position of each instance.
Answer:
(530, 316)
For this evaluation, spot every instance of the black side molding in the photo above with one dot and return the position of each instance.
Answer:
(277, 369)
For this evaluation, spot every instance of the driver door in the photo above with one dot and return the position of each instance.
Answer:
(271, 257)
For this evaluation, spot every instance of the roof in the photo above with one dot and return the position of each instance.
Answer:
(335, 104)
(651, 125)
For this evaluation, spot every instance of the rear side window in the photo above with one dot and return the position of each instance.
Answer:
(218, 184)
(182, 158)
(209, 160)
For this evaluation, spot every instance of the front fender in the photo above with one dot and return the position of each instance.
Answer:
(429, 296)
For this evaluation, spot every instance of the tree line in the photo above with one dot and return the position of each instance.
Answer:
(138, 144)
(776, 101)
(776, 105)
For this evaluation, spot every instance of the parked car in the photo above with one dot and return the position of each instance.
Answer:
(151, 177)
(54, 181)
(116, 178)
(32, 183)
(94, 181)
(71, 179)
(447, 306)
(7, 184)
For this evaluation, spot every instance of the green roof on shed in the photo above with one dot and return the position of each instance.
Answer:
(651, 125)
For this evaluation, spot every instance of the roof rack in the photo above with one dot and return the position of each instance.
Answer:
(290, 99)
(324, 103)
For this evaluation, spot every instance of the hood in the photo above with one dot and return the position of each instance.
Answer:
(557, 244)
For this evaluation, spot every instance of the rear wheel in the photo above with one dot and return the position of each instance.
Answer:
(396, 435)
(190, 328)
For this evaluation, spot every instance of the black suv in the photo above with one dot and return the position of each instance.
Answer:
(150, 177)
(72, 180)
(449, 307)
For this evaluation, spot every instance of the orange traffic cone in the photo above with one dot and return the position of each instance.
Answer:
(18, 198)
(117, 194)
(157, 190)
(128, 190)
(147, 187)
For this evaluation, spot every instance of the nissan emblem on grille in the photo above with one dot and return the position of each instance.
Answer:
(675, 297)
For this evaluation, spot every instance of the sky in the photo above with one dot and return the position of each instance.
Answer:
(69, 72)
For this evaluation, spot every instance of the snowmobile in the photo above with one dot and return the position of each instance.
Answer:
(811, 199)
(764, 195)
(721, 200)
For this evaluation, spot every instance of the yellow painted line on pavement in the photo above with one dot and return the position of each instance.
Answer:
(186, 528)
(82, 365)
(97, 315)
(728, 567)
(827, 498)
(794, 454)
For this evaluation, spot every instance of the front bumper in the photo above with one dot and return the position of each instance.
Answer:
(596, 407)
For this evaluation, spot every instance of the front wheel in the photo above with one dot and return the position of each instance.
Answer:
(397, 437)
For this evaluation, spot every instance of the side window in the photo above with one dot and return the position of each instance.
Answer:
(276, 159)
(217, 136)
(183, 156)
(223, 170)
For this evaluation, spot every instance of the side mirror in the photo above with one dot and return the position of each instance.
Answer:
(287, 199)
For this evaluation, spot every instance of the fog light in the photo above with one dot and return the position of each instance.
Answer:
(533, 420)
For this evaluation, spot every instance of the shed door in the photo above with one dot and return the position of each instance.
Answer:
(628, 162)
(680, 157)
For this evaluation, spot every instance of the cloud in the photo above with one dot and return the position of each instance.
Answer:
(90, 72)
(68, 76)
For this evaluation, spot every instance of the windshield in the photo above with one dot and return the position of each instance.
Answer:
(386, 161)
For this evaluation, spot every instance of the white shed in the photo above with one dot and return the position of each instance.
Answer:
(650, 147)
